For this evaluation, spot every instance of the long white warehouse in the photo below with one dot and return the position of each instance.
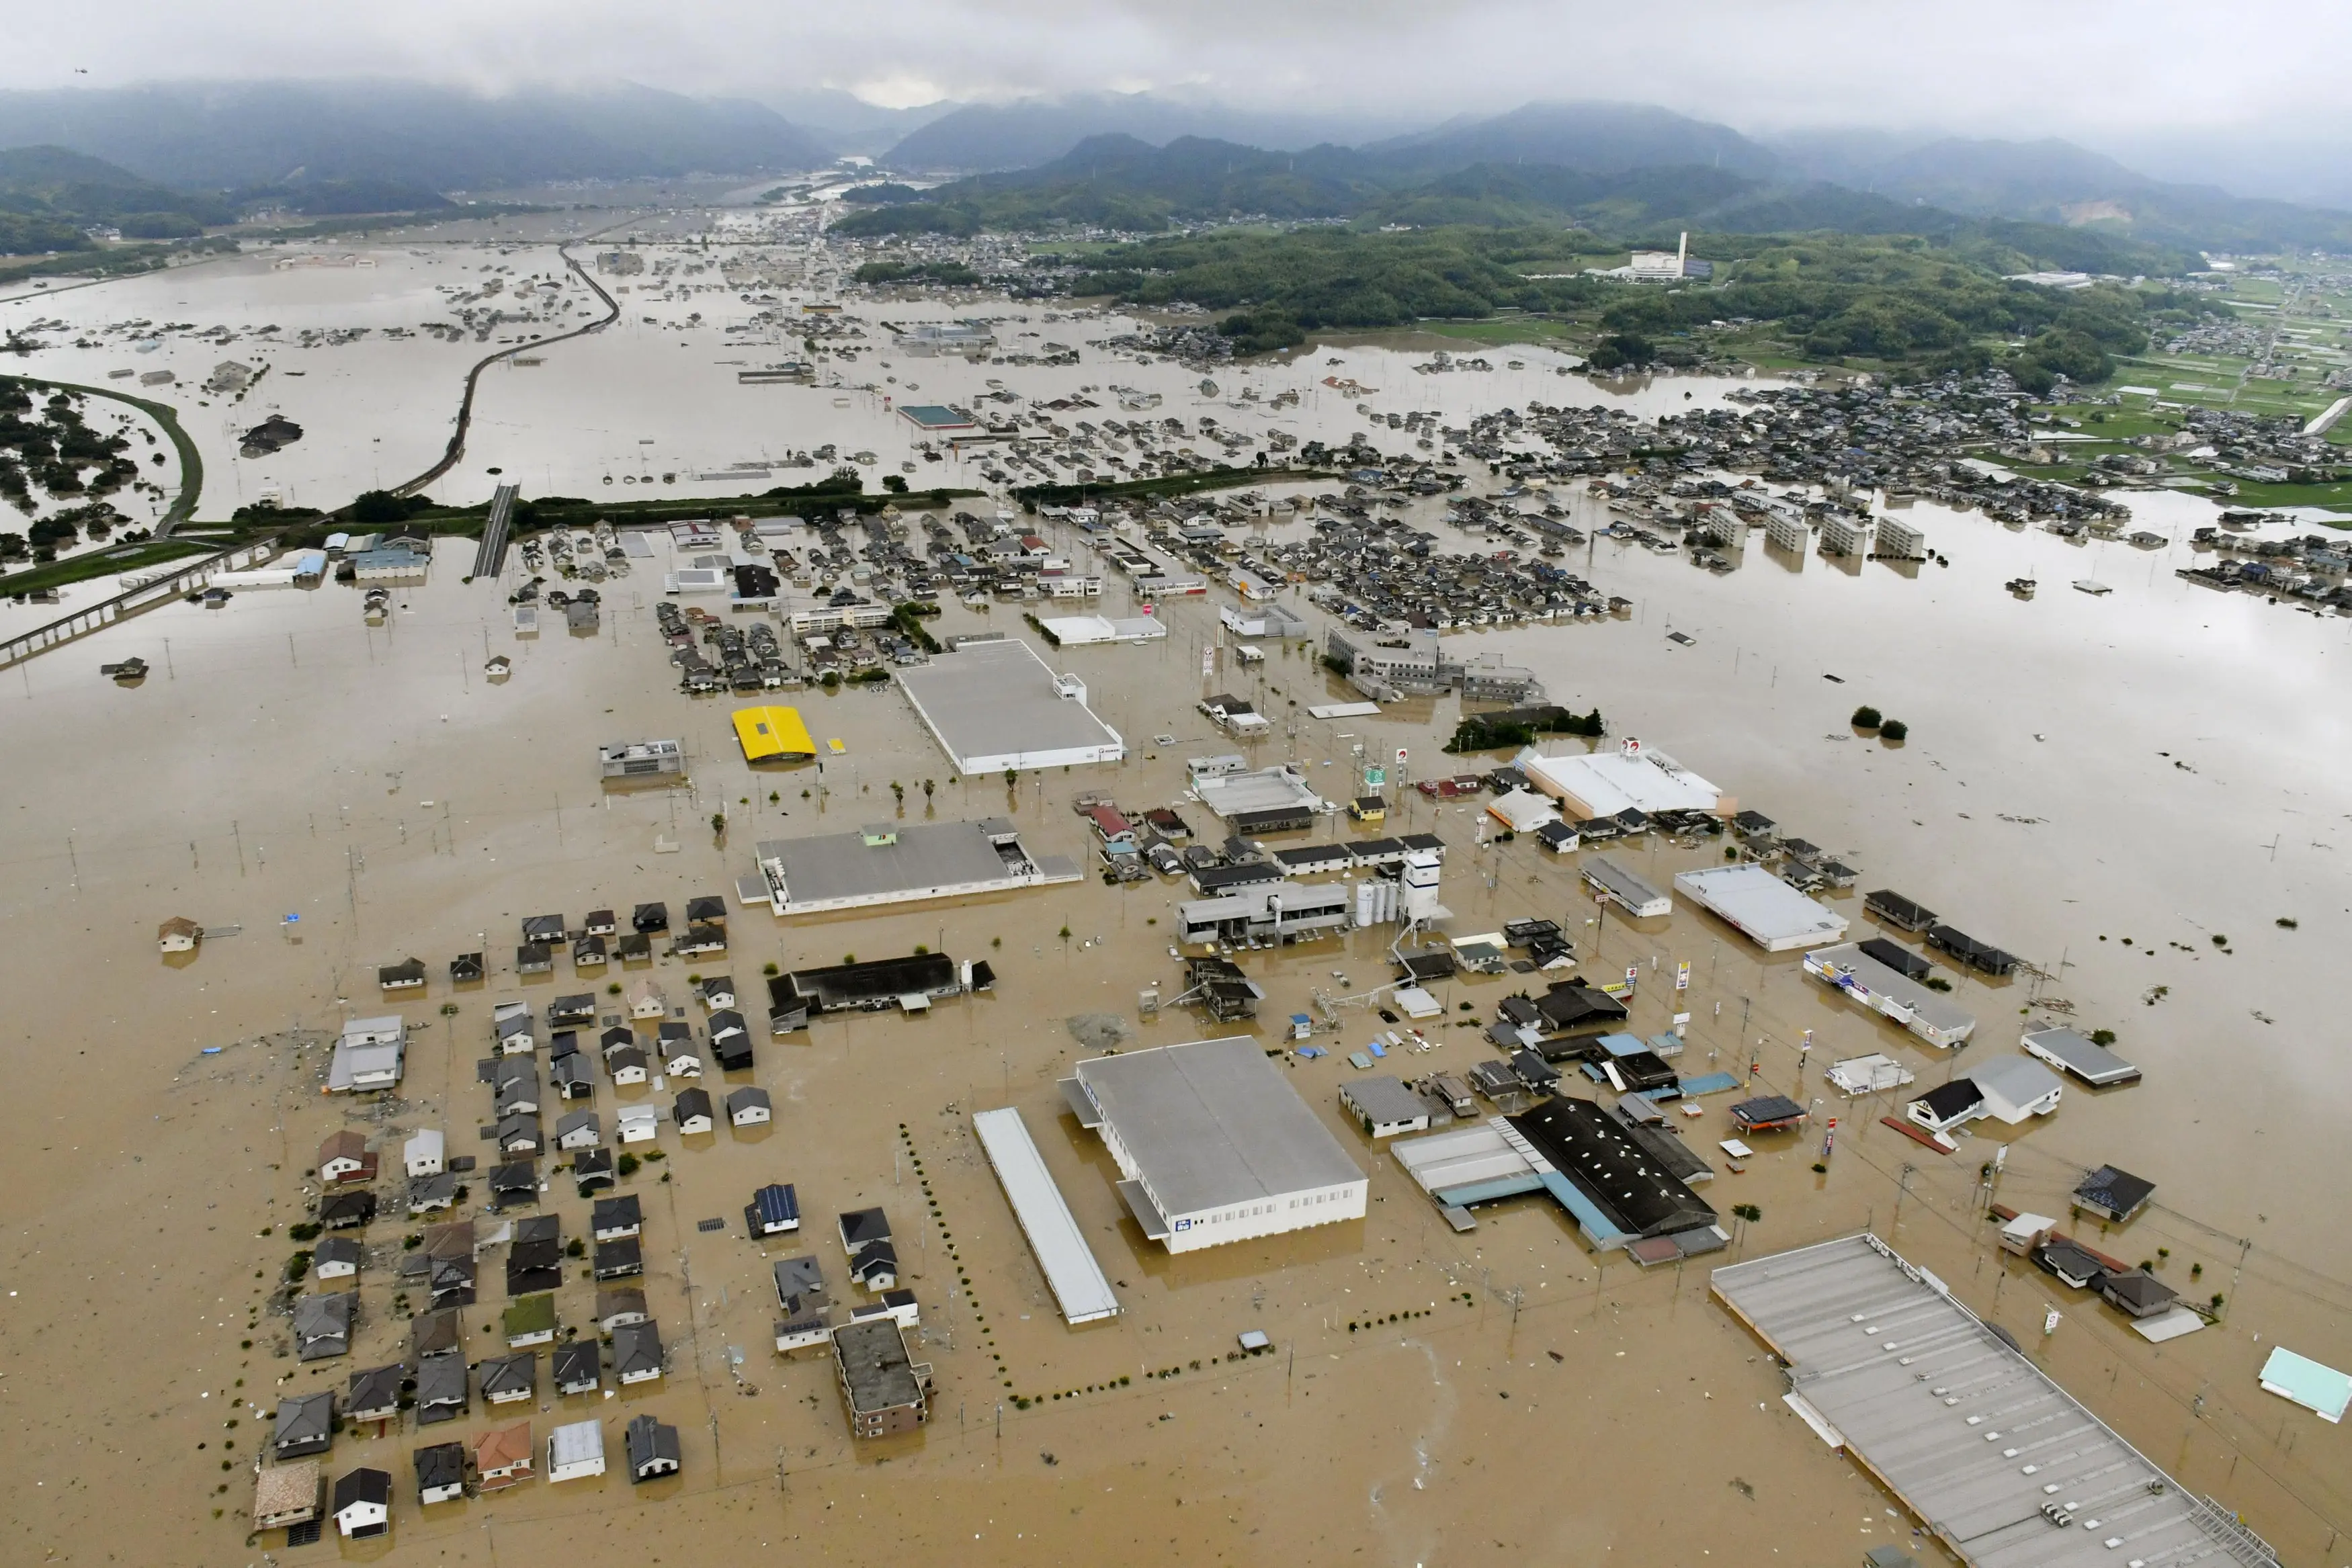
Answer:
(1215, 1143)
(896, 862)
(1883, 990)
(1079, 1283)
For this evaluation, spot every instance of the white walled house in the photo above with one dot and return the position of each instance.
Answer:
(575, 1452)
(425, 1153)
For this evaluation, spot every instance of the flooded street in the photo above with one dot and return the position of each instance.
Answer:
(2160, 763)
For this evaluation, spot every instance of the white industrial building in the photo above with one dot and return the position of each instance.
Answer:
(1385, 1107)
(1605, 783)
(1293, 911)
(1279, 787)
(1896, 996)
(1215, 1144)
(1761, 906)
(1522, 811)
(1264, 621)
(995, 706)
(1077, 631)
(898, 862)
(1637, 897)
(641, 760)
(1269, 912)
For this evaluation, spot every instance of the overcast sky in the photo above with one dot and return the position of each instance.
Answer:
(2099, 70)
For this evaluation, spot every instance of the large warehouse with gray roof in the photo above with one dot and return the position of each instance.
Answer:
(1215, 1143)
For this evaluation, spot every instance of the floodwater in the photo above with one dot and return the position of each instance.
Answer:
(656, 393)
(286, 759)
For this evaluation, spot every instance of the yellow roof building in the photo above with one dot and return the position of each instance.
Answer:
(773, 735)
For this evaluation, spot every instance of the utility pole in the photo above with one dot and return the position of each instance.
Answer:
(2245, 1247)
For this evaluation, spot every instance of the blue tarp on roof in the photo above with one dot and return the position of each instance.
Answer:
(1589, 1217)
(1488, 1191)
(1713, 1084)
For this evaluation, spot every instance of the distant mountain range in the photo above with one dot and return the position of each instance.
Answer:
(51, 199)
(1114, 159)
(49, 196)
(1598, 138)
(219, 136)
(2058, 182)
(978, 138)
(1510, 168)
(1121, 183)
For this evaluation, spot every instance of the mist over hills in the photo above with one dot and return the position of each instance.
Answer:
(1109, 160)
(1599, 138)
(218, 135)
(979, 137)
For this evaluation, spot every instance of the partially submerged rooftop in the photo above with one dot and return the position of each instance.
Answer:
(995, 707)
(901, 862)
(2005, 1466)
(1761, 907)
(1212, 1124)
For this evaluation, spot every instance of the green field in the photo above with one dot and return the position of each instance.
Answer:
(1536, 330)
(101, 563)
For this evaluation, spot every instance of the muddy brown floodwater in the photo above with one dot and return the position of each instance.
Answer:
(1500, 1395)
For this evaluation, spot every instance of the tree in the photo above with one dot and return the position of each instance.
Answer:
(1621, 351)
(384, 506)
(895, 482)
(1865, 717)
(1894, 729)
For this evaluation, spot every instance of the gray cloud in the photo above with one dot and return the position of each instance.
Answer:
(2104, 71)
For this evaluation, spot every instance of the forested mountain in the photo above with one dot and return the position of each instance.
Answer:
(48, 196)
(1030, 131)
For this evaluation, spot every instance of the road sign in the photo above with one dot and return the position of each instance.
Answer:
(1682, 976)
(1632, 975)
(1400, 759)
(1375, 776)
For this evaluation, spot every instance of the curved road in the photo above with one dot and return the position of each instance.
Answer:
(466, 405)
(192, 462)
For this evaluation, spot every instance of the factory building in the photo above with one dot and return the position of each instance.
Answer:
(1215, 1144)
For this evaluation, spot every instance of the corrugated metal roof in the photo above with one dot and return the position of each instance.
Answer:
(1079, 1285)
(2002, 1464)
